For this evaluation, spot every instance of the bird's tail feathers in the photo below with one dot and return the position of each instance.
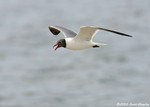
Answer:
(98, 45)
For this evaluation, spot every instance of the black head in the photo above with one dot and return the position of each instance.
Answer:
(60, 43)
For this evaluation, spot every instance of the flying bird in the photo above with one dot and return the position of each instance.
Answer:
(82, 40)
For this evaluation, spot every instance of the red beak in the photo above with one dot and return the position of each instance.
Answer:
(57, 46)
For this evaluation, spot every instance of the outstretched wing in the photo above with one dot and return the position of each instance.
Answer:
(113, 31)
(88, 32)
(57, 29)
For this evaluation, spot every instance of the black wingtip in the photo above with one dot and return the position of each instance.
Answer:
(116, 32)
(130, 36)
(53, 30)
(123, 34)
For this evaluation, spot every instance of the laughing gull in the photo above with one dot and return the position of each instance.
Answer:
(82, 40)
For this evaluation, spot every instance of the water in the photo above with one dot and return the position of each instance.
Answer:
(32, 74)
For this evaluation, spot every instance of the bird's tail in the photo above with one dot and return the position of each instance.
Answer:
(98, 45)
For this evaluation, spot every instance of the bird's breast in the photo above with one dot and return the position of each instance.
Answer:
(77, 45)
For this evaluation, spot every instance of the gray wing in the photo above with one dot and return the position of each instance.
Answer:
(57, 29)
(88, 32)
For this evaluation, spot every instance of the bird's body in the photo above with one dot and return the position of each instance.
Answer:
(74, 44)
(82, 40)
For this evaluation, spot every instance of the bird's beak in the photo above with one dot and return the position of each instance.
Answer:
(56, 46)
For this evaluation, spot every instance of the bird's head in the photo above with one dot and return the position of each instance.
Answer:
(60, 43)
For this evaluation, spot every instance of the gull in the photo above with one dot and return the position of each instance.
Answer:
(82, 40)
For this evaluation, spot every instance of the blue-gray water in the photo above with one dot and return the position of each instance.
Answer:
(32, 74)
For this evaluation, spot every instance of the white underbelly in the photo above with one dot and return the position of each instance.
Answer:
(77, 45)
